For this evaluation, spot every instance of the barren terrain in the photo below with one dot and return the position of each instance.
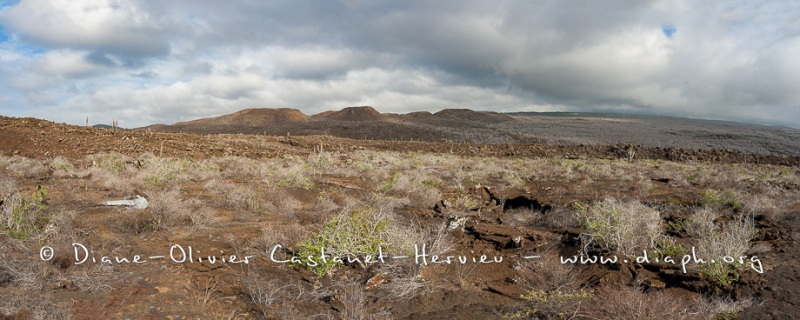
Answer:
(476, 127)
(507, 211)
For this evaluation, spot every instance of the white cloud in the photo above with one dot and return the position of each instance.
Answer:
(116, 26)
(66, 63)
(166, 61)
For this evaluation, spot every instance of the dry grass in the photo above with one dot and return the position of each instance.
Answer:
(396, 188)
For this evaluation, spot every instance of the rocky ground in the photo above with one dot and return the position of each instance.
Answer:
(527, 205)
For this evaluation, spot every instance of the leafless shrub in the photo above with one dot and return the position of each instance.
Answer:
(238, 167)
(723, 307)
(61, 167)
(202, 217)
(166, 208)
(557, 218)
(96, 278)
(285, 235)
(65, 224)
(266, 294)
(112, 162)
(28, 168)
(633, 303)
(406, 235)
(31, 306)
(766, 202)
(292, 172)
(547, 273)
(325, 203)
(405, 285)
(242, 198)
(354, 302)
(111, 169)
(628, 227)
(714, 241)
(24, 273)
(7, 188)
(420, 188)
(169, 207)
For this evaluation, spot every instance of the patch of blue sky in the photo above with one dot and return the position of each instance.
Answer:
(3, 35)
(27, 49)
(8, 3)
(669, 30)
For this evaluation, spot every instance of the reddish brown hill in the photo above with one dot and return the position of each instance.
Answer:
(417, 115)
(252, 118)
(471, 115)
(364, 113)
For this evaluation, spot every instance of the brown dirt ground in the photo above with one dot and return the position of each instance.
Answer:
(178, 291)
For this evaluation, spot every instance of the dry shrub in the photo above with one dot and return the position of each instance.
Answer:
(557, 218)
(354, 302)
(137, 221)
(714, 241)
(238, 167)
(15, 306)
(285, 235)
(65, 224)
(166, 208)
(405, 282)
(325, 202)
(419, 188)
(407, 234)
(242, 198)
(28, 168)
(266, 295)
(547, 273)
(62, 167)
(633, 303)
(627, 227)
(724, 307)
(7, 188)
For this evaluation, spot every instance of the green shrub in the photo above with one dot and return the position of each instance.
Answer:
(358, 234)
(713, 198)
(24, 214)
(112, 162)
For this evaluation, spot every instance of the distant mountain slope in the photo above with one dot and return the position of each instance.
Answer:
(363, 113)
(252, 117)
(481, 127)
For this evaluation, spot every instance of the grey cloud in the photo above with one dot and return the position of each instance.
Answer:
(727, 61)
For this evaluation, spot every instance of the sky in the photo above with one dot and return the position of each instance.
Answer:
(145, 62)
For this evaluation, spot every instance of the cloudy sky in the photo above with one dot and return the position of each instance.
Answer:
(145, 62)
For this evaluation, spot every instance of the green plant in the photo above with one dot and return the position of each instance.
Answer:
(112, 162)
(716, 198)
(721, 273)
(25, 214)
(167, 170)
(667, 247)
(678, 225)
(359, 234)
(391, 181)
(60, 163)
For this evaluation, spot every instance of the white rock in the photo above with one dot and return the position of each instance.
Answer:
(139, 202)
